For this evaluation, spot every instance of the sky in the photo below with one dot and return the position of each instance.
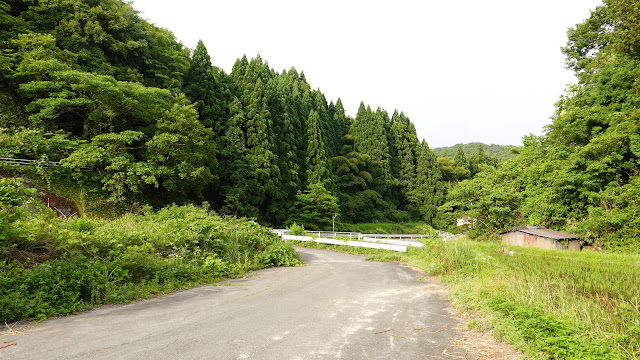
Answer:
(461, 70)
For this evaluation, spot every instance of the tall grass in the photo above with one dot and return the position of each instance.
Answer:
(561, 305)
(51, 267)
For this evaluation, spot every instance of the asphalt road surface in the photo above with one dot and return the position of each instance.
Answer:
(338, 306)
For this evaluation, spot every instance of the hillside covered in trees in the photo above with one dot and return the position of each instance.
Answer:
(94, 86)
(499, 152)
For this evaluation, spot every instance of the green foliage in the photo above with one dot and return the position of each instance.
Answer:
(50, 267)
(451, 171)
(99, 88)
(366, 205)
(551, 336)
(498, 152)
(182, 152)
(36, 144)
(428, 192)
(317, 207)
(369, 134)
(581, 176)
(201, 88)
(317, 159)
(406, 150)
(297, 230)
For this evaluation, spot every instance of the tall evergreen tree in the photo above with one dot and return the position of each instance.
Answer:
(235, 167)
(316, 155)
(370, 138)
(260, 155)
(462, 162)
(200, 87)
(427, 195)
(342, 122)
(239, 70)
(316, 204)
(405, 155)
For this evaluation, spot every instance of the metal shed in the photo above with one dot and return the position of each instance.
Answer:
(535, 236)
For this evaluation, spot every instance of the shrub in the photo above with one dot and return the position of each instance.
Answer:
(51, 267)
(297, 230)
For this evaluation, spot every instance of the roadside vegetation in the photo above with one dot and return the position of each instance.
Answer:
(548, 304)
(51, 267)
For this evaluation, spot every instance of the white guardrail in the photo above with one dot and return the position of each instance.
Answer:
(371, 245)
(27, 162)
(393, 242)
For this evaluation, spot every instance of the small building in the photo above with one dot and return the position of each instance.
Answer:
(540, 237)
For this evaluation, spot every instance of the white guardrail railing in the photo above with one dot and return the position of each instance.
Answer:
(371, 245)
(393, 242)
(27, 162)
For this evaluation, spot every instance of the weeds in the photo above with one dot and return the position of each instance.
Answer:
(51, 267)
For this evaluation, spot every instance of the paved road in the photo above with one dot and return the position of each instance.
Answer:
(337, 307)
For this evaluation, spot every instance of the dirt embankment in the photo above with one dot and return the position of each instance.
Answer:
(64, 208)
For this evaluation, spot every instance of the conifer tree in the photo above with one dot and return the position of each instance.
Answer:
(317, 207)
(342, 122)
(316, 155)
(316, 204)
(200, 88)
(239, 70)
(260, 155)
(406, 161)
(462, 162)
(370, 138)
(235, 170)
(427, 195)
(285, 130)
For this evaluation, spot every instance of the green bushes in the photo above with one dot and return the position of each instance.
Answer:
(50, 267)
(297, 230)
(547, 334)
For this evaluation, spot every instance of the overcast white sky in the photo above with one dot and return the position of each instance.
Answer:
(462, 71)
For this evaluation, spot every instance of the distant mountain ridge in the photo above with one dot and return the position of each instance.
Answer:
(501, 152)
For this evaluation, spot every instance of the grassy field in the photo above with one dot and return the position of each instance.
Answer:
(549, 304)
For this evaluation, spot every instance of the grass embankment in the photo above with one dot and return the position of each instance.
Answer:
(549, 304)
(51, 267)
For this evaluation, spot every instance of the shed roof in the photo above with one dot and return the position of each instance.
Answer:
(544, 232)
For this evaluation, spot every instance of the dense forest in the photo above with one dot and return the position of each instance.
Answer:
(94, 86)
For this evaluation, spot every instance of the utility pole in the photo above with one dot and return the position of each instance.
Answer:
(334, 222)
